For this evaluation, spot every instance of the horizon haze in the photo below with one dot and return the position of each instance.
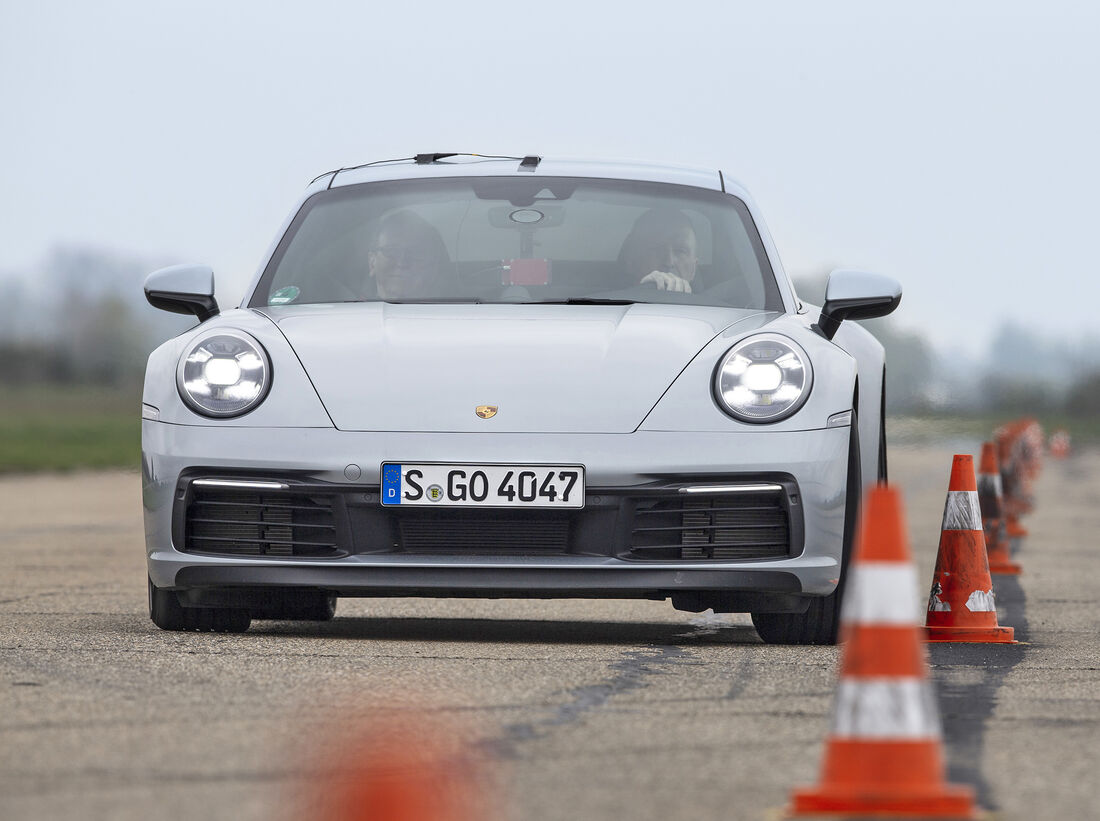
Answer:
(950, 146)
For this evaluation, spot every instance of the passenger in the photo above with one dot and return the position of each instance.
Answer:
(660, 249)
(408, 258)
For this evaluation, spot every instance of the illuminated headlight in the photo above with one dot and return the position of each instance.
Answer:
(226, 373)
(764, 378)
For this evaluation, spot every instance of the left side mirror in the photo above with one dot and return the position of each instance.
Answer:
(183, 289)
(856, 295)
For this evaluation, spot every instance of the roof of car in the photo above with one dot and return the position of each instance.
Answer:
(472, 165)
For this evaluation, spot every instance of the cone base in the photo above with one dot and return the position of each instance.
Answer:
(991, 635)
(945, 801)
(1005, 568)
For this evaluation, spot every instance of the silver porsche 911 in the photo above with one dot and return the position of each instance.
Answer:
(456, 375)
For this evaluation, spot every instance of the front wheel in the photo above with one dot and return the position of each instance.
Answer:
(817, 625)
(168, 614)
(820, 623)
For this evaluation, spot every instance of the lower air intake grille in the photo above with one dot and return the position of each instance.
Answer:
(728, 526)
(251, 523)
(481, 533)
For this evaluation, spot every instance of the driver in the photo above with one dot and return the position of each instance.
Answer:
(660, 249)
(407, 257)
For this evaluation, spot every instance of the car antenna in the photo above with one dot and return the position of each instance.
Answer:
(428, 159)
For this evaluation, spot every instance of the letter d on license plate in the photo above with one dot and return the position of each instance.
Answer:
(428, 484)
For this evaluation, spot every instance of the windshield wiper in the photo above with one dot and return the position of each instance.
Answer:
(428, 300)
(467, 300)
(582, 300)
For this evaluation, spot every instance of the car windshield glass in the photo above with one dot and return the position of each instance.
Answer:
(522, 240)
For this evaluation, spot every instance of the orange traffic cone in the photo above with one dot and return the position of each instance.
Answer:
(961, 605)
(1013, 528)
(1013, 479)
(1031, 445)
(991, 502)
(1059, 444)
(884, 754)
(412, 769)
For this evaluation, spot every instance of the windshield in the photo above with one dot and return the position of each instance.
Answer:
(525, 240)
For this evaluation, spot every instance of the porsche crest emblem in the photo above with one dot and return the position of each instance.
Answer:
(486, 411)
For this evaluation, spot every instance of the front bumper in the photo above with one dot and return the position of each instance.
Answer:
(811, 464)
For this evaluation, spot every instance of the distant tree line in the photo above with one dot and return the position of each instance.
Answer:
(1022, 372)
(100, 343)
(81, 318)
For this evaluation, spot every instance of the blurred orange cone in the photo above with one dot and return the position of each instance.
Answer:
(991, 502)
(1019, 459)
(1013, 528)
(961, 605)
(884, 754)
(408, 770)
(1031, 446)
(1059, 444)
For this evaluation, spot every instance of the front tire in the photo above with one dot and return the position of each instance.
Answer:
(168, 614)
(820, 623)
(817, 625)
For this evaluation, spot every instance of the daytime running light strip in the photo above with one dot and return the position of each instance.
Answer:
(730, 488)
(240, 485)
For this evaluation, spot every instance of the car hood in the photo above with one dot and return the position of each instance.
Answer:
(545, 368)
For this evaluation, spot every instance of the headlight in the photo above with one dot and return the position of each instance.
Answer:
(226, 373)
(764, 378)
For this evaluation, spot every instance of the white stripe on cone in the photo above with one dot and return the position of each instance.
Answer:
(990, 483)
(881, 593)
(981, 601)
(962, 511)
(895, 708)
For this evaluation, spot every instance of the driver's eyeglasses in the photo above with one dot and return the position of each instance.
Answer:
(405, 254)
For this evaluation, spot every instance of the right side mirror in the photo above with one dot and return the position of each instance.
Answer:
(183, 289)
(856, 295)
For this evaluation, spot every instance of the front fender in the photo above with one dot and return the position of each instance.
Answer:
(292, 401)
(868, 352)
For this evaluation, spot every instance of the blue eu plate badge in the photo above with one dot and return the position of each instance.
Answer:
(391, 485)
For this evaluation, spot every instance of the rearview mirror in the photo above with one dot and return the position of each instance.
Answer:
(856, 295)
(183, 289)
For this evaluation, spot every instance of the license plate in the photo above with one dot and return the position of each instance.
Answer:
(436, 485)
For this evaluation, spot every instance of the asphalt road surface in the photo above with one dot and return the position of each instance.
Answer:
(573, 709)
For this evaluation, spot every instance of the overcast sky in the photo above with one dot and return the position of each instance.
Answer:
(953, 145)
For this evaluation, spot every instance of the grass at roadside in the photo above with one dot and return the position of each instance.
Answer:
(58, 428)
(47, 428)
(917, 430)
